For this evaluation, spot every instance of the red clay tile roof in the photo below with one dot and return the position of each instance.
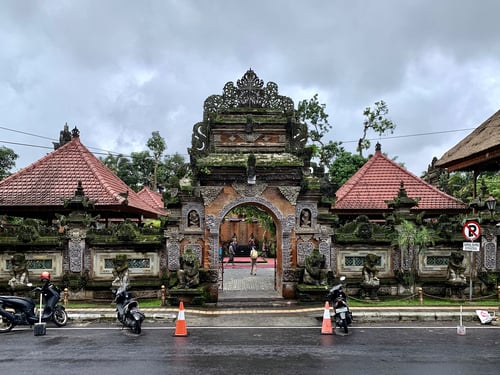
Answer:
(152, 198)
(379, 180)
(44, 185)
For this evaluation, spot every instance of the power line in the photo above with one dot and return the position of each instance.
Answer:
(107, 152)
(415, 135)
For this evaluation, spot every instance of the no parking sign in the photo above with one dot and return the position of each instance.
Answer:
(471, 230)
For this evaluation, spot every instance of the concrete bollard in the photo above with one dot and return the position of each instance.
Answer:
(421, 295)
(66, 297)
(163, 295)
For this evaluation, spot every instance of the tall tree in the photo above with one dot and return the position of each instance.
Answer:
(314, 115)
(157, 146)
(376, 120)
(7, 161)
(344, 166)
(170, 171)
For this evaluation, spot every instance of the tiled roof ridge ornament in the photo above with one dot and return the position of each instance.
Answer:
(66, 136)
(79, 201)
(402, 200)
(378, 148)
(75, 133)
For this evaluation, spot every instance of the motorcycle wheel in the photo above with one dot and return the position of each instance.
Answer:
(136, 327)
(6, 324)
(344, 326)
(60, 317)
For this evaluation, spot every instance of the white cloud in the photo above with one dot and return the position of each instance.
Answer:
(119, 70)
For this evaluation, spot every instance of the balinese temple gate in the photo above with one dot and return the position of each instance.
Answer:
(249, 150)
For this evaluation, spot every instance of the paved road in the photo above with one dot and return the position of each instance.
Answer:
(372, 349)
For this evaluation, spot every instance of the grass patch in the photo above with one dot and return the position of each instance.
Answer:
(384, 302)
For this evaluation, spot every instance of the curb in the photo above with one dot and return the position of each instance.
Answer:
(374, 314)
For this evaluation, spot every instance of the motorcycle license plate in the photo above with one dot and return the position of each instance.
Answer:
(341, 310)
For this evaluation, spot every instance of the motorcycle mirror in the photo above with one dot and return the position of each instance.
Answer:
(342, 278)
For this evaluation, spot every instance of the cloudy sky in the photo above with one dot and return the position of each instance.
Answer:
(119, 70)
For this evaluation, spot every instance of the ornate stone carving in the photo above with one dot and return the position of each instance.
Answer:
(303, 249)
(251, 138)
(210, 193)
(291, 193)
(187, 216)
(302, 209)
(76, 249)
(211, 223)
(247, 190)
(489, 245)
(324, 248)
(288, 223)
(249, 92)
(199, 139)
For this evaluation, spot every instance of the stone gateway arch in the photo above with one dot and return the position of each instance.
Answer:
(249, 150)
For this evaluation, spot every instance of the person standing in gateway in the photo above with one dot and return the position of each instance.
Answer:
(253, 257)
(231, 252)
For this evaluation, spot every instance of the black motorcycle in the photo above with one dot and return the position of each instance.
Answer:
(338, 300)
(16, 310)
(127, 311)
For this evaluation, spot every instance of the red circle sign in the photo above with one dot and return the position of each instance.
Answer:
(471, 230)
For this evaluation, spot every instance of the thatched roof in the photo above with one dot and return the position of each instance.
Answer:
(479, 151)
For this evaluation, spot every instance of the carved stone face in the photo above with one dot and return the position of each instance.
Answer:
(18, 262)
(121, 262)
(457, 258)
(190, 259)
(371, 260)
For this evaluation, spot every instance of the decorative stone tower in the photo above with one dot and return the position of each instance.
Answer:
(250, 150)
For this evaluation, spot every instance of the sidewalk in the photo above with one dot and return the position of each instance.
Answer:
(247, 300)
(283, 316)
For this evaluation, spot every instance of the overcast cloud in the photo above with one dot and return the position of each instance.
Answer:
(119, 70)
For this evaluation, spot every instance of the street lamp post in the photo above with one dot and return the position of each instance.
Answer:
(491, 204)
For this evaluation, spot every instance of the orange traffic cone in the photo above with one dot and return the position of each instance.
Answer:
(180, 324)
(326, 327)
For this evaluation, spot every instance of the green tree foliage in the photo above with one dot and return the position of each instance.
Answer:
(262, 217)
(344, 166)
(492, 182)
(157, 146)
(313, 114)
(460, 185)
(376, 120)
(170, 171)
(7, 161)
(413, 240)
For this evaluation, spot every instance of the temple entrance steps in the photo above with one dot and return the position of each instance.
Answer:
(240, 289)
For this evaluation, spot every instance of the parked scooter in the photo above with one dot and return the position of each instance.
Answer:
(127, 311)
(16, 310)
(338, 300)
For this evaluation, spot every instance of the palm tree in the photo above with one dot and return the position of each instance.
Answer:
(412, 241)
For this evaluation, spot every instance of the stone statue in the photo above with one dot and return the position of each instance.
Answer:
(456, 281)
(456, 268)
(370, 270)
(371, 283)
(305, 218)
(316, 272)
(120, 272)
(189, 272)
(19, 272)
(193, 219)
